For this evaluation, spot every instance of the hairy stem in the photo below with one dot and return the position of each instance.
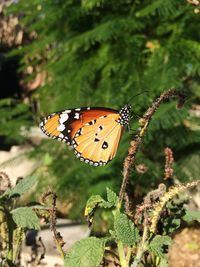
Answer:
(134, 145)
(58, 239)
(19, 235)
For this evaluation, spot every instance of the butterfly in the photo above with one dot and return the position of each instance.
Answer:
(94, 133)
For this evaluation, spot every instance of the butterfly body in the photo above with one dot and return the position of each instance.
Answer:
(94, 133)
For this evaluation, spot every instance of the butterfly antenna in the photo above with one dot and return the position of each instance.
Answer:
(133, 114)
(139, 94)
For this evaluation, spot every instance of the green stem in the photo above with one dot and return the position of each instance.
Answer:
(122, 257)
(128, 255)
(10, 234)
(59, 248)
(19, 233)
(138, 257)
(142, 247)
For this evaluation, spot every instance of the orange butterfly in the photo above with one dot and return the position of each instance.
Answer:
(94, 133)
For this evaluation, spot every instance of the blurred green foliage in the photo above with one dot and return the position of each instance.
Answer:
(102, 53)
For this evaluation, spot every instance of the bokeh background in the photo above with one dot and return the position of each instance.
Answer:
(61, 54)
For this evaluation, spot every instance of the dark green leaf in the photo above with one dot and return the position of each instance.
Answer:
(171, 224)
(23, 186)
(25, 217)
(125, 230)
(112, 197)
(158, 244)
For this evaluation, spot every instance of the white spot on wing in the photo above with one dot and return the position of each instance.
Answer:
(66, 111)
(61, 127)
(63, 118)
(77, 116)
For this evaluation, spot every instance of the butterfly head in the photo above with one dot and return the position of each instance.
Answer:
(125, 115)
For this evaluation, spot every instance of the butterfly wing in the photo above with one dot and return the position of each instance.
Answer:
(63, 125)
(97, 143)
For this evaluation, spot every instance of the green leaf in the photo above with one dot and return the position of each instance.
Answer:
(86, 253)
(23, 186)
(112, 197)
(25, 217)
(191, 215)
(92, 203)
(125, 230)
(97, 201)
(149, 8)
(171, 224)
(157, 245)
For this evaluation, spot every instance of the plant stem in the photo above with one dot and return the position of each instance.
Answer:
(134, 145)
(122, 257)
(59, 248)
(128, 255)
(10, 234)
(142, 247)
(19, 234)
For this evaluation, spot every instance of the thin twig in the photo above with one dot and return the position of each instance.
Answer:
(57, 236)
(42, 256)
(134, 145)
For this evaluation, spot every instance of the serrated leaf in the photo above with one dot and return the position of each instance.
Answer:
(191, 215)
(125, 230)
(156, 246)
(25, 217)
(106, 205)
(94, 202)
(23, 186)
(86, 253)
(112, 197)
